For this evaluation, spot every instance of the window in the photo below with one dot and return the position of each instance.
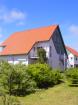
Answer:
(34, 48)
(39, 47)
(71, 65)
(76, 58)
(50, 51)
(21, 60)
(71, 57)
(2, 48)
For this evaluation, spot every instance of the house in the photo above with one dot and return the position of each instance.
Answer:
(72, 57)
(22, 46)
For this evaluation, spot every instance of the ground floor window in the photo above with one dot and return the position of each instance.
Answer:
(71, 65)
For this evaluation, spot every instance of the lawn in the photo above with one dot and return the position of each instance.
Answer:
(57, 95)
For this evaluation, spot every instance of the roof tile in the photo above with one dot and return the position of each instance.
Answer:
(22, 42)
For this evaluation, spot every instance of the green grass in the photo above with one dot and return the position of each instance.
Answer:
(58, 95)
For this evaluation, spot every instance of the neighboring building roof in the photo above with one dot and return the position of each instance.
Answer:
(22, 42)
(73, 51)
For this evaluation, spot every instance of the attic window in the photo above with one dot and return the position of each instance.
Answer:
(34, 48)
(39, 47)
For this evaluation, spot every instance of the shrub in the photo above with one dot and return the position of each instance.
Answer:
(42, 55)
(72, 76)
(21, 80)
(57, 76)
(43, 75)
(15, 80)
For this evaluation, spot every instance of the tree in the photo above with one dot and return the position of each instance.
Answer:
(42, 55)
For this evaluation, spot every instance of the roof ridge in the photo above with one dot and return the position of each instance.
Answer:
(38, 28)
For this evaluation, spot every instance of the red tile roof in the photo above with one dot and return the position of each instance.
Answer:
(22, 42)
(73, 51)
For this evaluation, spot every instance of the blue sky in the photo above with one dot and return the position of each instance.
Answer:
(18, 15)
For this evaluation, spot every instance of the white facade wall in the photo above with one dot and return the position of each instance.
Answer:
(72, 60)
(45, 45)
(33, 53)
(15, 59)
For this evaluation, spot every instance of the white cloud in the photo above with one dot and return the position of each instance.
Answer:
(73, 29)
(11, 15)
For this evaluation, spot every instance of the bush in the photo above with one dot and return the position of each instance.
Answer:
(21, 80)
(57, 76)
(44, 75)
(72, 76)
(42, 55)
(15, 80)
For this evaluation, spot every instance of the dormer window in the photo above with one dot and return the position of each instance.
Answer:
(2, 48)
